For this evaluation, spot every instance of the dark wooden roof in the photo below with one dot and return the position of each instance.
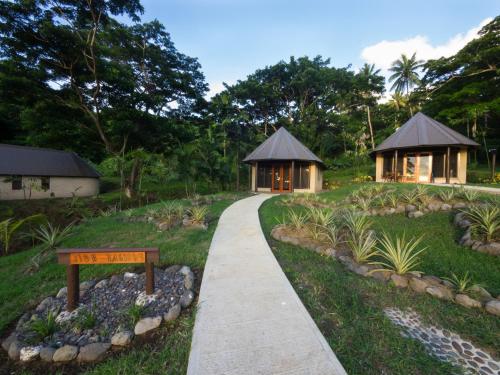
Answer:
(282, 146)
(423, 131)
(31, 161)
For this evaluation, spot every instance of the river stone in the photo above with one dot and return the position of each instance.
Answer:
(415, 214)
(9, 340)
(466, 301)
(361, 270)
(383, 275)
(434, 206)
(173, 269)
(440, 292)
(147, 324)
(493, 307)
(418, 285)
(400, 209)
(44, 304)
(410, 208)
(93, 352)
(446, 207)
(399, 281)
(432, 280)
(122, 338)
(86, 285)
(29, 353)
(129, 276)
(172, 313)
(14, 350)
(65, 354)
(492, 248)
(101, 284)
(189, 280)
(62, 292)
(185, 270)
(186, 298)
(47, 353)
(482, 293)
(459, 205)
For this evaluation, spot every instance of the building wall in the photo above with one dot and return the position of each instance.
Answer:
(379, 165)
(60, 187)
(315, 182)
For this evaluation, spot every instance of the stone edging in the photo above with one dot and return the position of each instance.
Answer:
(431, 285)
(96, 351)
(492, 248)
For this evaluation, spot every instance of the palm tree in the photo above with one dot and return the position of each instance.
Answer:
(405, 74)
(372, 81)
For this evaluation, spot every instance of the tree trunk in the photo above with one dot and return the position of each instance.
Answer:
(130, 188)
(370, 126)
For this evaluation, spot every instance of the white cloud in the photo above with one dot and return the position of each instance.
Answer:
(215, 88)
(384, 53)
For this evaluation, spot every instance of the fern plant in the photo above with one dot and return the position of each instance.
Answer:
(485, 221)
(9, 227)
(400, 255)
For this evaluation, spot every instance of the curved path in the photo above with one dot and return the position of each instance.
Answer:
(249, 319)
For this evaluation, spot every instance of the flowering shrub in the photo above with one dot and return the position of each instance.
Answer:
(362, 179)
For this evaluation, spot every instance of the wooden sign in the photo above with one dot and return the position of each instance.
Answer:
(107, 258)
(74, 257)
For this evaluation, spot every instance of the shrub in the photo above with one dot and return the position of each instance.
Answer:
(43, 328)
(410, 197)
(469, 195)
(362, 178)
(447, 195)
(485, 221)
(362, 247)
(400, 255)
(462, 284)
(297, 220)
(392, 199)
(320, 216)
(364, 203)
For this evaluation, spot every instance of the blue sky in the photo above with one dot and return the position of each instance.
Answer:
(232, 39)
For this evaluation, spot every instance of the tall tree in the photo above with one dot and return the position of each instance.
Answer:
(405, 75)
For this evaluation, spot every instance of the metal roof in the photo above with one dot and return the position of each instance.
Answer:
(422, 131)
(32, 161)
(282, 146)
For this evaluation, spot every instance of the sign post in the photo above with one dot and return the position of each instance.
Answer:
(74, 257)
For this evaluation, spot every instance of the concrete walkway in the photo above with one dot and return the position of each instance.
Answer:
(249, 319)
(481, 189)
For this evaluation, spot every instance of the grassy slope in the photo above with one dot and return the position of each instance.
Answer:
(349, 308)
(19, 291)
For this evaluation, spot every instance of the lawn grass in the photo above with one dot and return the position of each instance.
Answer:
(20, 291)
(348, 308)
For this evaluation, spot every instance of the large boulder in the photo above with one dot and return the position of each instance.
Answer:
(493, 307)
(93, 352)
(146, 325)
(440, 292)
(65, 354)
(122, 338)
(29, 353)
(466, 301)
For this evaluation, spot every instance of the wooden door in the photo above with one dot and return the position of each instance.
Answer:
(282, 178)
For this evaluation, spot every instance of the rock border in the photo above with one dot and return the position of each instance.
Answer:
(431, 285)
(492, 248)
(95, 352)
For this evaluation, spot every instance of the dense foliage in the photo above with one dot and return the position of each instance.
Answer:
(91, 77)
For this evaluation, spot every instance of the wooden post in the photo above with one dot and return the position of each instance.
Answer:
(256, 175)
(395, 166)
(493, 163)
(73, 281)
(291, 175)
(150, 278)
(448, 165)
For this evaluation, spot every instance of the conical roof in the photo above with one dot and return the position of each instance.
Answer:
(422, 131)
(282, 146)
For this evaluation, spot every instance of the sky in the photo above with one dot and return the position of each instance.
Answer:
(233, 38)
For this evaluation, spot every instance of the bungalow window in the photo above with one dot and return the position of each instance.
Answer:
(17, 182)
(264, 176)
(45, 183)
(453, 163)
(301, 175)
(388, 163)
(438, 164)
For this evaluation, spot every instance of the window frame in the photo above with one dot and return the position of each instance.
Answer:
(16, 182)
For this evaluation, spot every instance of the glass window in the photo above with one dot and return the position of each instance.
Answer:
(453, 163)
(264, 176)
(400, 164)
(17, 182)
(387, 168)
(438, 164)
(45, 183)
(301, 175)
(410, 164)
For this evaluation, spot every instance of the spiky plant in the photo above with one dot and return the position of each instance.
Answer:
(315, 231)
(357, 224)
(421, 190)
(469, 195)
(447, 195)
(410, 197)
(198, 214)
(485, 221)
(332, 235)
(364, 204)
(43, 328)
(320, 216)
(9, 227)
(462, 284)
(400, 255)
(51, 236)
(298, 220)
(392, 199)
(362, 247)
(380, 201)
